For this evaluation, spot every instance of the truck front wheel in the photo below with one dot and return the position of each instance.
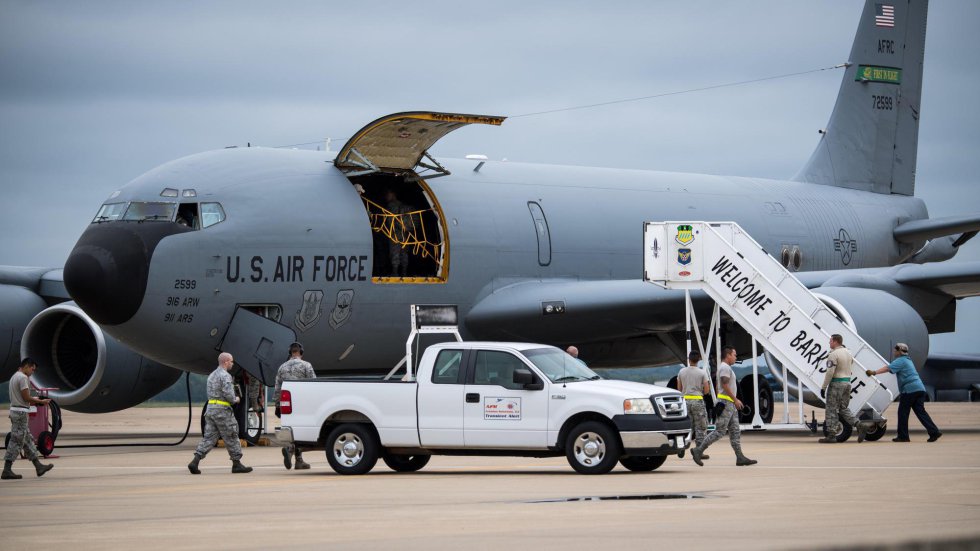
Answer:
(592, 448)
(352, 448)
(404, 463)
(643, 464)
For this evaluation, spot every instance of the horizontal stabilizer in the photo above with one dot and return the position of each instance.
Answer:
(930, 228)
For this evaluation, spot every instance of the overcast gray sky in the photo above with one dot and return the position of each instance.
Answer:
(93, 94)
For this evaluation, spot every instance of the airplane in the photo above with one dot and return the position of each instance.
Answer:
(250, 249)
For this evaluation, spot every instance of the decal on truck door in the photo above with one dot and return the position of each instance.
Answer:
(508, 409)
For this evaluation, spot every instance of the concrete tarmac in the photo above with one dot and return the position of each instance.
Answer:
(801, 495)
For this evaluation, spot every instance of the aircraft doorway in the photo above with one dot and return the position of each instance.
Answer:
(410, 244)
(383, 160)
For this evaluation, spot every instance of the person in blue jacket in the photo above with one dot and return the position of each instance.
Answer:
(913, 397)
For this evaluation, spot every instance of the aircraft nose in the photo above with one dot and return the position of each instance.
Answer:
(106, 273)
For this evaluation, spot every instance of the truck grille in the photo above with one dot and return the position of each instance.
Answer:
(671, 407)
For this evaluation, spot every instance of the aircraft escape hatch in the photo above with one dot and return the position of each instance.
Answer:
(388, 161)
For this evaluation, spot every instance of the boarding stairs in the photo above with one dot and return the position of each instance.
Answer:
(793, 324)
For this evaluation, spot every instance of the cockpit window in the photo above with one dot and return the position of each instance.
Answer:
(211, 214)
(110, 212)
(163, 212)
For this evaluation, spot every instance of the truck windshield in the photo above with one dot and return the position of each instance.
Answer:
(559, 366)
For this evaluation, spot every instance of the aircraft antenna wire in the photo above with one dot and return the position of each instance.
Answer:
(677, 92)
(641, 98)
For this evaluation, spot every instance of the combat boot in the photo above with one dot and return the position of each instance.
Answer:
(696, 455)
(9, 474)
(300, 464)
(827, 440)
(237, 467)
(41, 468)
(743, 461)
(192, 466)
(287, 459)
(862, 430)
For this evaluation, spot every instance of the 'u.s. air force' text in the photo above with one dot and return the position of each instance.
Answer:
(288, 269)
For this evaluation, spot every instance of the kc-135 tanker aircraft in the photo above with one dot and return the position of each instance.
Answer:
(249, 249)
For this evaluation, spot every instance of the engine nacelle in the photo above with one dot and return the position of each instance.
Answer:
(880, 318)
(93, 372)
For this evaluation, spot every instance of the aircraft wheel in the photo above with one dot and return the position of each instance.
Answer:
(45, 443)
(405, 463)
(643, 464)
(352, 448)
(766, 401)
(844, 433)
(877, 432)
(592, 448)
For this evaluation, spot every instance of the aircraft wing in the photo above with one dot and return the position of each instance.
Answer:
(576, 311)
(46, 282)
(954, 279)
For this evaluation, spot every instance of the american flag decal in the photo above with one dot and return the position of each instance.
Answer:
(884, 15)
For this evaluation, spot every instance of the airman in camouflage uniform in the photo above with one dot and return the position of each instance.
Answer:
(694, 384)
(836, 390)
(19, 389)
(219, 418)
(293, 369)
(727, 422)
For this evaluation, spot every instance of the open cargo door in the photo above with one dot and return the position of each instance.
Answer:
(398, 142)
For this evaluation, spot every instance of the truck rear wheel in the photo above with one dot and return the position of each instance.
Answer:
(352, 448)
(405, 463)
(643, 464)
(592, 448)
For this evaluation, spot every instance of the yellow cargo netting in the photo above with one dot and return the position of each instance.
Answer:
(406, 229)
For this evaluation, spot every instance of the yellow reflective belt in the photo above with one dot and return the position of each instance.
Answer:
(693, 397)
(219, 402)
(726, 397)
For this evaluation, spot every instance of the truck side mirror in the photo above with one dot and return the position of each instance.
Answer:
(527, 380)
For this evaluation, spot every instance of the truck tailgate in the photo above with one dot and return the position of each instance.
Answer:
(388, 405)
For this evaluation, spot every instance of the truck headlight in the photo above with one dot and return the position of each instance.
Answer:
(638, 405)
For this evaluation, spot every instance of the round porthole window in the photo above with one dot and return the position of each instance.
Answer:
(784, 257)
(797, 258)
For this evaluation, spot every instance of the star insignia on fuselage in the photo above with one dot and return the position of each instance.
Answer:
(845, 246)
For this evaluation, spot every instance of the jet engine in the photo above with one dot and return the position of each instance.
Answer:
(93, 372)
(880, 318)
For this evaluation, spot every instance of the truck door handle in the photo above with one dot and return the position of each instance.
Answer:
(472, 398)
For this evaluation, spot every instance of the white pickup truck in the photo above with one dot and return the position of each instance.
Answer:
(487, 398)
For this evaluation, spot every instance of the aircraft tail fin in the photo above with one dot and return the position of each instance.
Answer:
(871, 140)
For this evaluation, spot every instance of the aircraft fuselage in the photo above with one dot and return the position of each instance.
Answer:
(296, 243)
